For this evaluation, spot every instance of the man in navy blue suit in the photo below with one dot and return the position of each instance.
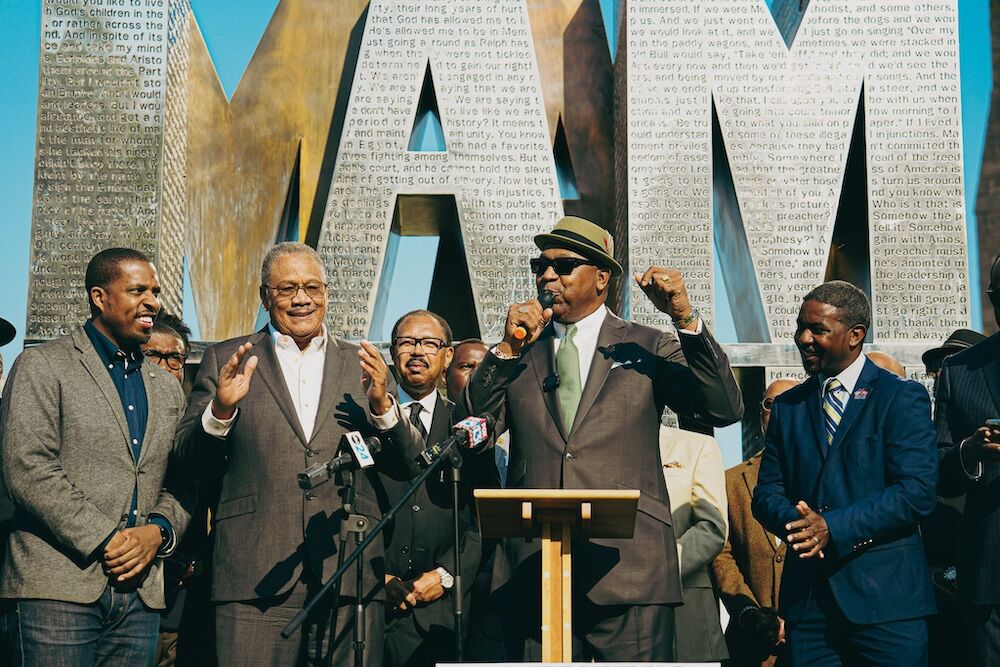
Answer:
(849, 467)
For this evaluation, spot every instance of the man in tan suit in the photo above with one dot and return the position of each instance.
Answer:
(692, 470)
(748, 571)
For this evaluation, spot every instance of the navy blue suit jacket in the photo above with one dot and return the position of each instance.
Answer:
(872, 485)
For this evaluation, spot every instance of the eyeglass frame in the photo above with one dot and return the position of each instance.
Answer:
(155, 356)
(279, 291)
(420, 342)
(536, 262)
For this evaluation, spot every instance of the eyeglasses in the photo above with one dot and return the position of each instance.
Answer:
(431, 345)
(563, 266)
(314, 291)
(173, 360)
(766, 404)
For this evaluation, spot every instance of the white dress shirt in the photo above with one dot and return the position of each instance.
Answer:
(303, 373)
(587, 331)
(427, 414)
(848, 377)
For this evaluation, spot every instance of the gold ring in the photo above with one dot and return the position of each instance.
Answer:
(665, 279)
(815, 539)
(522, 310)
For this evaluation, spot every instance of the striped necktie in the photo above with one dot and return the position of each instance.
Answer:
(833, 407)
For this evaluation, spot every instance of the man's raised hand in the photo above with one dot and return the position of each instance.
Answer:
(375, 378)
(234, 382)
(528, 316)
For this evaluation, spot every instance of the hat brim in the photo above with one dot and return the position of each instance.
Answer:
(546, 241)
(932, 358)
(7, 331)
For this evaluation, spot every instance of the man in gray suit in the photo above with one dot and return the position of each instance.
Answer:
(87, 433)
(273, 404)
(582, 398)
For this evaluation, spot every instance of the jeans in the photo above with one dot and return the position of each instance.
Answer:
(115, 630)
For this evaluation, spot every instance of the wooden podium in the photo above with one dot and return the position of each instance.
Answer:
(555, 515)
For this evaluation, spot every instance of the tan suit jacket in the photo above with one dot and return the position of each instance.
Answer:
(748, 571)
(692, 470)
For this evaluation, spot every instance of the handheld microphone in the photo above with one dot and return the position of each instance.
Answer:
(546, 298)
(360, 451)
(468, 433)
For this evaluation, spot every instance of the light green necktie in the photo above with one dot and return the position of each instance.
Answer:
(568, 367)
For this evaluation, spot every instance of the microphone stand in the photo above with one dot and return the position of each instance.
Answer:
(433, 461)
(455, 457)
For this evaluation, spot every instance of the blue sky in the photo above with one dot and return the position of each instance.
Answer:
(232, 29)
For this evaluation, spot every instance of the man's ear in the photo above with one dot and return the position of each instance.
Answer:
(98, 297)
(603, 279)
(857, 335)
(265, 297)
(448, 356)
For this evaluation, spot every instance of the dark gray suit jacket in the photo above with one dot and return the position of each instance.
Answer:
(422, 538)
(613, 444)
(967, 394)
(69, 466)
(267, 528)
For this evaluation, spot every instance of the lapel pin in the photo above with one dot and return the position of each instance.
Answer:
(861, 394)
(673, 464)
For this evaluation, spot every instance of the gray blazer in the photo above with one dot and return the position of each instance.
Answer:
(69, 467)
(267, 529)
(696, 480)
(613, 444)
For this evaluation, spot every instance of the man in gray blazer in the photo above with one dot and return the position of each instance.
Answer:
(582, 398)
(87, 433)
(696, 481)
(272, 404)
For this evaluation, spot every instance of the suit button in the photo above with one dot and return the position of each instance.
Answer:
(310, 495)
(404, 550)
(416, 508)
(569, 457)
(311, 452)
(778, 559)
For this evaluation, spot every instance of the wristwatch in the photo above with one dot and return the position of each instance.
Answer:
(164, 536)
(447, 581)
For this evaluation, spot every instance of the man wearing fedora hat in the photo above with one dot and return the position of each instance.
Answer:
(967, 398)
(581, 392)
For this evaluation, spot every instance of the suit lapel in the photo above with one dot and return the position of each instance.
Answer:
(440, 421)
(855, 405)
(92, 362)
(270, 372)
(612, 332)
(991, 373)
(153, 408)
(815, 411)
(543, 360)
(333, 369)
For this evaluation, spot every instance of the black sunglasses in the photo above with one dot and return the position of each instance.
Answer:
(563, 266)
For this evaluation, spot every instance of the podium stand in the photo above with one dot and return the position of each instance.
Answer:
(555, 516)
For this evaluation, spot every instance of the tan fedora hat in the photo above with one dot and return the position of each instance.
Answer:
(584, 237)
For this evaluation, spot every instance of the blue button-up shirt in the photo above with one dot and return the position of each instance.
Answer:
(125, 370)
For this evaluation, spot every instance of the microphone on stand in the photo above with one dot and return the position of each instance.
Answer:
(545, 298)
(468, 434)
(360, 451)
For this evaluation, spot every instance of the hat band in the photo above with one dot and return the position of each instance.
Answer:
(580, 238)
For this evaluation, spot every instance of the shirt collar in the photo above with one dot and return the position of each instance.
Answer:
(284, 341)
(588, 326)
(848, 377)
(107, 350)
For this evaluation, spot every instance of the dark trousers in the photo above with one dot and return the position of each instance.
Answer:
(249, 633)
(640, 633)
(407, 644)
(822, 637)
(981, 623)
(115, 630)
